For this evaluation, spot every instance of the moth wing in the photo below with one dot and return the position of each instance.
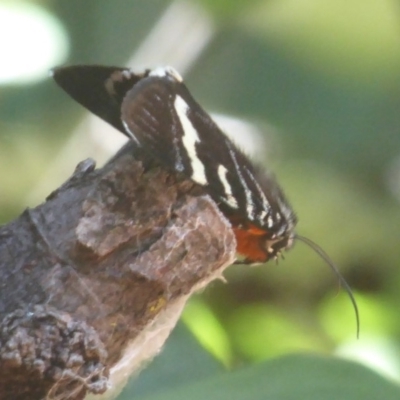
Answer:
(149, 116)
(161, 115)
(98, 88)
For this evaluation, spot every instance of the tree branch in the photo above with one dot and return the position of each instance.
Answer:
(94, 279)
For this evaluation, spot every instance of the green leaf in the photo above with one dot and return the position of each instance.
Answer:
(294, 377)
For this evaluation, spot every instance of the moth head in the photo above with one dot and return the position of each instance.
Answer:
(280, 236)
(258, 244)
(276, 245)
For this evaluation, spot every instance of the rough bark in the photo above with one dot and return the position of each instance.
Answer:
(94, 279)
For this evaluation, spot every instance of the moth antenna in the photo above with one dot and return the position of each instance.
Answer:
(336, 271)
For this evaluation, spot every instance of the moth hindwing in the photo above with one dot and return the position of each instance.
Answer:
(156, 110)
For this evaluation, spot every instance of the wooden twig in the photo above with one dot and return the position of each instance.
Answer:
(94, 279)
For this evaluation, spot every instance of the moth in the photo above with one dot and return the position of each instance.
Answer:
(155, 110)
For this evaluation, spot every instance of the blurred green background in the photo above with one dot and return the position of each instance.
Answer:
(318, 82)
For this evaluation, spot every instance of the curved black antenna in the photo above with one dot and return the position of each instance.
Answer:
(336, 271)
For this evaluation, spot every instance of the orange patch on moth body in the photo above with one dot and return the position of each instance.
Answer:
(251, 243)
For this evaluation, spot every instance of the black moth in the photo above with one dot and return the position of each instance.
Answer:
(156, 111)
